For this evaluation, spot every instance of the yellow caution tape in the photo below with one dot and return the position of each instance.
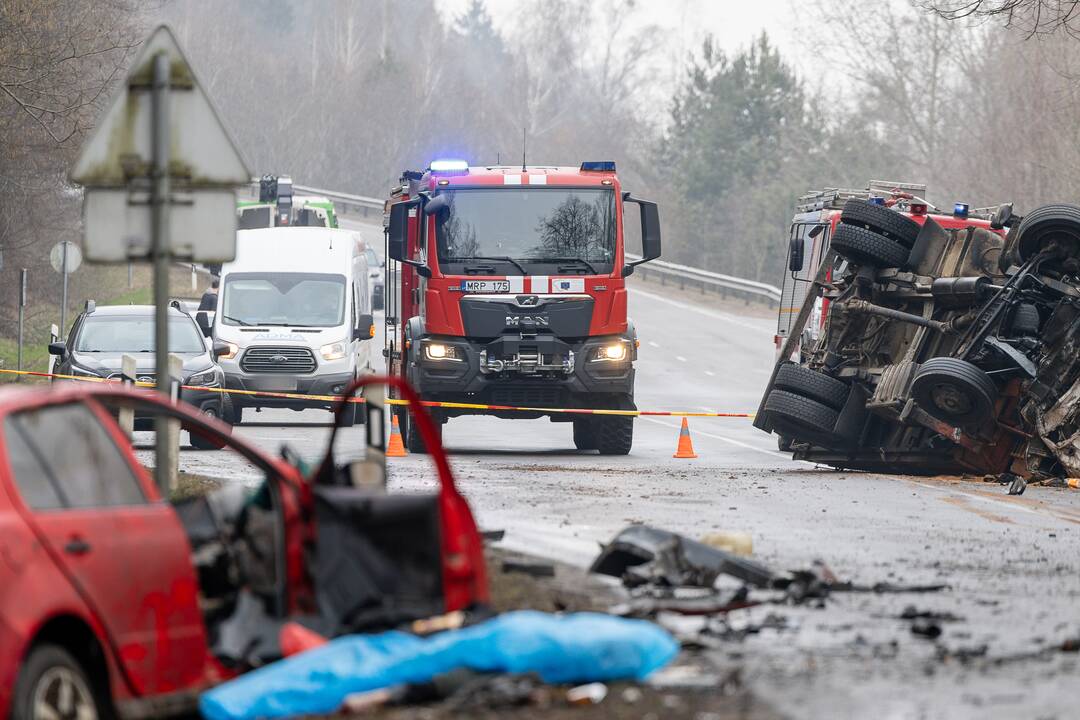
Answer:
(394, 401)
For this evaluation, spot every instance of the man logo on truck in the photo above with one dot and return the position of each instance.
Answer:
(528, 321)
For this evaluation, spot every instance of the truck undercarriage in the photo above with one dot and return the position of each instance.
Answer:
(942, 351)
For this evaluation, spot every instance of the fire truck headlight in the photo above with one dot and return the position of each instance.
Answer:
(333, 351)
(614, 352)
(440, 351)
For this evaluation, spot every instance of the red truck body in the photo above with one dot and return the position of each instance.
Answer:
(507, 286)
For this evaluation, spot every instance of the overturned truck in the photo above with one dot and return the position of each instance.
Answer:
(930, 343)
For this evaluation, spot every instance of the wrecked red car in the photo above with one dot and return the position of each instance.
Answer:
(114, 601)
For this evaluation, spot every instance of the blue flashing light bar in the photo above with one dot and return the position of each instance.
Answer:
(449, 166)
(960, 210)
(877, 200)
(598, 166)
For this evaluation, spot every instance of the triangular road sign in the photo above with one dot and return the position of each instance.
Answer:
(119, 153)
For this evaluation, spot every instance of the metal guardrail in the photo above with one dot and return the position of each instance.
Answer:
(351, 204)
(685, 275)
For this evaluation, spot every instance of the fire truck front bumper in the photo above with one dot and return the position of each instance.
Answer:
(535, 372)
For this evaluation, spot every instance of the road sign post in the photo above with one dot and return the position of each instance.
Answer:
(128, 372)
(65, 258)
(160, 175)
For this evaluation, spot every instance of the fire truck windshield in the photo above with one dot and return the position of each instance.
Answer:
(534, 226)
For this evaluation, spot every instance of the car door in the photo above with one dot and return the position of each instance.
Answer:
(121, 547)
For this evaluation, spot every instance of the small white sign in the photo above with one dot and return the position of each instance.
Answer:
(74, 257)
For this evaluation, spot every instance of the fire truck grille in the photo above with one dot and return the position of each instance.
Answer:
(526, 396)
(270, 359)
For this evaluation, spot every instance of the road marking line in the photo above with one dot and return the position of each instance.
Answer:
(709, 313)
(654, 344)
(710, 373)
(738, 443)
(680, 358)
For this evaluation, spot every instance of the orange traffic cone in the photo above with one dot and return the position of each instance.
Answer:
(396, 448)
(686, 447)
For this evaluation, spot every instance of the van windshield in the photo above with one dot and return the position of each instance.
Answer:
(285, 299)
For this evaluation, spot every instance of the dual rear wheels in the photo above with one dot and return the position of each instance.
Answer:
(805, 404)
(874, 235)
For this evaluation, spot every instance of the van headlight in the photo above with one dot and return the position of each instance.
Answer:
(441, 351)
(333, 351)
(206, 378)
(612, 352)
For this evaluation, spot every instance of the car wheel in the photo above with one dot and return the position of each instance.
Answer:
(584, 434)
(867, 247)
(954, 391)
(881, 220)
(52, 684)
(228, 410)
(1051, 226)
(801, 418)
(812, 384)
(614, 434)
(197, 441)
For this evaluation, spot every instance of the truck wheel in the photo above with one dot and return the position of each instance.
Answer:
(413, 442)
(800, 417)
(881, 220)
(866, 247)
(954, 391)
(1050, 225)
(584, 435)
(1024, 321)
(614, 434)
(812, 384)
(52, 684)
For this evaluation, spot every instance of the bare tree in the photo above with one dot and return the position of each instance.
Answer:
(1032, 17)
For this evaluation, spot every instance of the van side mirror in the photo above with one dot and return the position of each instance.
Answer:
(203, 321)
(365, 327)
(219, 349)
(59, 349)
(650, 232)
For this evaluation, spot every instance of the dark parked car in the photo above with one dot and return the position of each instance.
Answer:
(101, 336)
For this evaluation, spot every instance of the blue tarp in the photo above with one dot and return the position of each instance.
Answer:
(578, 648)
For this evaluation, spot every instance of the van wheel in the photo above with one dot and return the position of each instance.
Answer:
(584, 435)
(881, 220)
(614, 434)
(52, 684)
(1056, 226)
(860, 245)
(954, 391)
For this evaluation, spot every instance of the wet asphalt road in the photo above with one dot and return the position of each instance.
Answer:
(1012, 563)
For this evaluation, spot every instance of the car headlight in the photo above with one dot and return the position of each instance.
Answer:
(333, 351)
(81, 372)
(442, 351)
(206, 378)
(233, 349)
(613, 352)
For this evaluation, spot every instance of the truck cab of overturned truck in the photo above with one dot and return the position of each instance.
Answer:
(506, 287)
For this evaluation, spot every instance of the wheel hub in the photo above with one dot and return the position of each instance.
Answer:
(951, 399)
(61, 694)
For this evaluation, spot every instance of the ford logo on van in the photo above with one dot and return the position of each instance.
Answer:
(278, 358)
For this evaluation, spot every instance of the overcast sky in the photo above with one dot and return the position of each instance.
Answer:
(734, 23)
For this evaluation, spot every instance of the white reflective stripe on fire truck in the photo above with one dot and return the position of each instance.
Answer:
(511, 179)
(538, 179)
(517, 284)
(538, 284)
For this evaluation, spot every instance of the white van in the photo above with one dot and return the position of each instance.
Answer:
(295, 309)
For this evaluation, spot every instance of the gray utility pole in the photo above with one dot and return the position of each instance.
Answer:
(63, 293)
(159, 250)
(22, 314)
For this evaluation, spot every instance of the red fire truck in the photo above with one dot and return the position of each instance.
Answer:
(506, 287)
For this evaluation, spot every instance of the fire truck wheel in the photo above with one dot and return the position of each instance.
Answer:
(51, 683)
(1056, 226)
(882, 220)
(584, 435)
(1024, 321)
(866, 247)
(812, 384)
(800, 417)
(413, 442)
(614, 434)
(954, 391)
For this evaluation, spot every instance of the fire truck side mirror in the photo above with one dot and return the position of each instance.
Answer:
(795, 254)
(650, 232)
(397, 232)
